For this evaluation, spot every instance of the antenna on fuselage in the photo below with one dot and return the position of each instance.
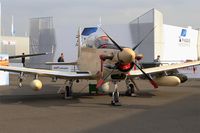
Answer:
(79, 41)
(12, 27)
(99, 25)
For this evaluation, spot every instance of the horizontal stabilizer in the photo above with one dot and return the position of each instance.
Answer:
(26, 55)
(61, 63)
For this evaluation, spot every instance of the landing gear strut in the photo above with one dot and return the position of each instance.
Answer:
(66, 90)
(21, 76)
(115, 95)
(131, 86)
(130, 90)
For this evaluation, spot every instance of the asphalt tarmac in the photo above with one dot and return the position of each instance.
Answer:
(165, 110)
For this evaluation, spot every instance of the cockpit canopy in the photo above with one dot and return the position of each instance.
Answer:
(104, 42)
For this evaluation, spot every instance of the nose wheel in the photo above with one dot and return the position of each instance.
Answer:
(115, 96)
(115, 99)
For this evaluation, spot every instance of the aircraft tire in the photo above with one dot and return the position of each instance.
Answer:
(130, 90)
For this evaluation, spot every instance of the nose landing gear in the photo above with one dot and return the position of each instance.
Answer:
(115, 96)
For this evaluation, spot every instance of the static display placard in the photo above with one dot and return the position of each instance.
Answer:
(69, 68)
(61, 68)
(4, 76)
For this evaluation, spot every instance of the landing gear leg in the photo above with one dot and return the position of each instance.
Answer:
(131, 86)
(130, 90)
(68, 90)
(136, 87)
(20, 83)
(21, 76)
(115, 96)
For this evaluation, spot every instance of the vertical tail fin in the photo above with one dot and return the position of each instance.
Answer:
(87, 31)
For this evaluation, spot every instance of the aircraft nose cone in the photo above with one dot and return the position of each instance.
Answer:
(127, 55)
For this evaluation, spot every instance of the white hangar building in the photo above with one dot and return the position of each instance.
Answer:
(172, 43)
(14, 45)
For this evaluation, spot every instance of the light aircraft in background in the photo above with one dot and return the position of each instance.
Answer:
(26, 55)
(104, 61)
(5, 61)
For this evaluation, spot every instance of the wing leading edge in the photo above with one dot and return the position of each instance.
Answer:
(49, 73)
(153, 70)
(88, 75)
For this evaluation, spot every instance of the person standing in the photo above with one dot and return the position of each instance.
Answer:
(157, 61)
(61, 58)
(23, 59)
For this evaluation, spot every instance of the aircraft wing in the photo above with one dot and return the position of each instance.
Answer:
(26, 55)
(61, 63)
(153, 70)
(48, 73)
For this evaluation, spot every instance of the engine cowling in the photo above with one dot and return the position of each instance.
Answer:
(125, 56)
(124, 67)
(36, 85)
(167, 81)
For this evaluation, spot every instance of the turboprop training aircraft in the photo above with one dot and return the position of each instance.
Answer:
(105, 62)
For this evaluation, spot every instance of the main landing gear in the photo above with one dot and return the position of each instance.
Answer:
(131, 86)
(130, 90)
(66, 90)
(21, 76)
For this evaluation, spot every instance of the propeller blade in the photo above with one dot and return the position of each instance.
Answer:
(102, 81)
(144, 38)
(99, 83)
(149, 78)
(112, 41)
